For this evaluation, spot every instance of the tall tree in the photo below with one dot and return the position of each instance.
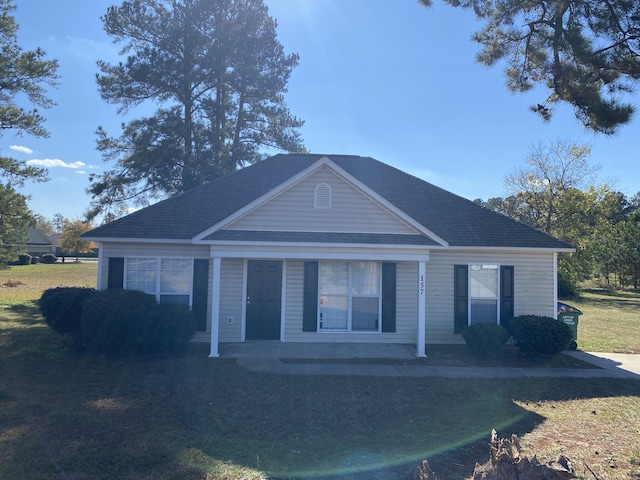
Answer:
(217, 71)
(70, 240)
(584, 52)
(556, 192)
(552, 170)
(23, 77)
(15, 219)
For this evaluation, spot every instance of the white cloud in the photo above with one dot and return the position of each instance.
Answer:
(55, 162)
(91, 50)
(81, 172)
(22, 149)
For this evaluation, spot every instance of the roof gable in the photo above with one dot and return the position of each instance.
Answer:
(38, 237)
(438, 213)
(290, 208)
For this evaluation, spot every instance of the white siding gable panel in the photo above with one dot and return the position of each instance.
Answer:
(293, 210)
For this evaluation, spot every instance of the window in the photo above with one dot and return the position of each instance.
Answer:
(168, 279)
(484, 293)
(175, 280)
(349, 296)
(322, 196)
(141, 274)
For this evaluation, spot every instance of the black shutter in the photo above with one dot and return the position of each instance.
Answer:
(115, 276)
(200, 292)
(460, 297)
(310, 298)
(388, 297)
(506, 294)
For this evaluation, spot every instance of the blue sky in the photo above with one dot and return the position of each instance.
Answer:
(381, 78)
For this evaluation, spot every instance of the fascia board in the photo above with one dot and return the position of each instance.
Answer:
(137, 240)
(507, 249)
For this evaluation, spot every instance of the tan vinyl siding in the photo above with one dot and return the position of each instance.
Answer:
(406, 311)
(293, 210)
(231, 299)
(407, 301)
(533, 287)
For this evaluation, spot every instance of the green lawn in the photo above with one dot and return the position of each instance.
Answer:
(26, 283)
(610, 321)
(191, 417)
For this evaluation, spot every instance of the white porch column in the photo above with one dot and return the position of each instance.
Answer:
(422, 287)
(215, 308)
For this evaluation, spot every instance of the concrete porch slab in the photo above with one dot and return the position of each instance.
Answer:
(266, 349)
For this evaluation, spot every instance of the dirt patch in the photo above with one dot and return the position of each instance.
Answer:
(12, 283)
(507, 462)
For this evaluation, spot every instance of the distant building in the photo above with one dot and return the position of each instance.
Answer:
(39, 243)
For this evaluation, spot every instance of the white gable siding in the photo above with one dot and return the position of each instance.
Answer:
(533, 287)
(293, 210)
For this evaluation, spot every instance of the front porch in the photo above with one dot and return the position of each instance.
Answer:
(316, 350)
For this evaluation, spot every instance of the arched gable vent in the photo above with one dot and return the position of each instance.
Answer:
(322, 196)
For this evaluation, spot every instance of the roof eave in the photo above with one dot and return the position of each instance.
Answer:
(506, 248)
(138, 240)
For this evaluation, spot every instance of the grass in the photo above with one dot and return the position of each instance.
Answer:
(191, 417)
(26, 283)
(610, 321)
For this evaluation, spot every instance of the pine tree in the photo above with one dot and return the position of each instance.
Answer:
(218, 73)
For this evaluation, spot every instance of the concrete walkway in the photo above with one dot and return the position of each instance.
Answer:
(266, 358)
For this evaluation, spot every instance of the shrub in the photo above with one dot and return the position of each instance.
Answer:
(485, 340)
(48, 258)
(540, 335)
(123, 322)
(61, 307)
(175, 327)
(24, 259)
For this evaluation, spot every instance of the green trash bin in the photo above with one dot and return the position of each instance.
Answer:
(569, 315)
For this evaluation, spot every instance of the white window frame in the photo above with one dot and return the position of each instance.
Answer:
(350, 296)
(157, 293)
(496, 298)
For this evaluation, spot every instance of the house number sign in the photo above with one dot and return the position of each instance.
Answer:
(421, 285)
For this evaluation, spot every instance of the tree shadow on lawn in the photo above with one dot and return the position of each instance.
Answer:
(190, 417)
(363, 428)
(609, 299)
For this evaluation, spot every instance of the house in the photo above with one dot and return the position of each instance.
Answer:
(330, 248)
(39, 243)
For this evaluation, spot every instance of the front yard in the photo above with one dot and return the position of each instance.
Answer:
(191, 417)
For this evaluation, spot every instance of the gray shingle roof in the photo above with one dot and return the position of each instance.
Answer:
(457, 220)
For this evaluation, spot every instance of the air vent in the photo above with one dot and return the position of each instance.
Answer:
(322, 196)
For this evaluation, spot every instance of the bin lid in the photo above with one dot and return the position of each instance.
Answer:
(564, 308)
